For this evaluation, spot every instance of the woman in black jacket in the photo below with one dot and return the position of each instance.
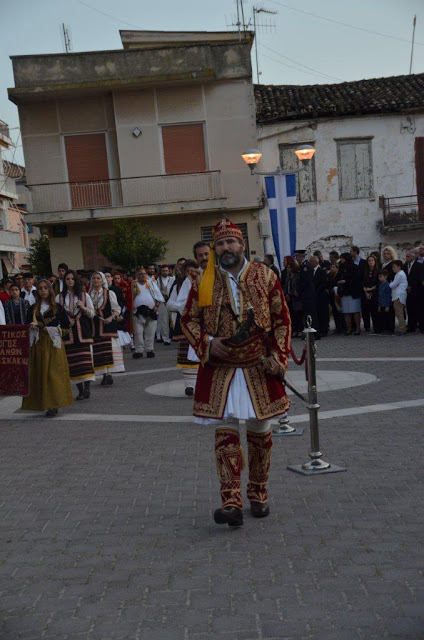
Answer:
(349, 289)
(370, 289)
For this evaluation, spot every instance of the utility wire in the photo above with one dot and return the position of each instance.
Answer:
(290, 66)
(108, 15)
(343, 24)
(321, 73)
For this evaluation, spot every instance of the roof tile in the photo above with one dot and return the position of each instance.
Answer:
(275, 103)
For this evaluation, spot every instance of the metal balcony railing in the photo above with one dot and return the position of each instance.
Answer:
(154, 190)
(400, 210)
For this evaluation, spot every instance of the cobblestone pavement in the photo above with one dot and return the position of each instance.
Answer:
(106, 528)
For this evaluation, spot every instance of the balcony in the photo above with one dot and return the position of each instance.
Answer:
(5, 140)
(161, 193)
(11, 241)
(7, 187)
(401, 213)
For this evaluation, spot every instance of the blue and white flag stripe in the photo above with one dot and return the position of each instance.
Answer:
(281, 195)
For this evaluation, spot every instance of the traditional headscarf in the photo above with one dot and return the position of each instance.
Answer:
(103, 277)
(223, 229)
(97, 296)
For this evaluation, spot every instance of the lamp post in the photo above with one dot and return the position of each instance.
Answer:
(252, 156)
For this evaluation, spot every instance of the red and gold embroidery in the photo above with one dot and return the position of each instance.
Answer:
(228, 457)
(259, 447)
(261, 290)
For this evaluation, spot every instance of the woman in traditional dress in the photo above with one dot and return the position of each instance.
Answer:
(119, 282)
(49, 382)
(16, 308)
(78, 342)
(107, 352)
(176, 303)
(123, 335)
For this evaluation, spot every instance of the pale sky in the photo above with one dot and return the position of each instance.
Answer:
(311, 43)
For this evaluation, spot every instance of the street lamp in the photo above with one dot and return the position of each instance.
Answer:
(252, 156)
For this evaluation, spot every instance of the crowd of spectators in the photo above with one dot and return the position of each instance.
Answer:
(379, 294)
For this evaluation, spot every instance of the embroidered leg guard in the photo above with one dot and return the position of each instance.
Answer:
(228, 465)
(259, 454)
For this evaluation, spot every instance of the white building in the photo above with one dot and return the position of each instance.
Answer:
(365, 185)
(13, 231)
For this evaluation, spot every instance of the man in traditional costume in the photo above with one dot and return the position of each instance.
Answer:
(146, 300)
(238, 322)
(164, 282)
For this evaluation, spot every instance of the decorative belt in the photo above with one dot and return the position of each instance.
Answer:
(246, 354)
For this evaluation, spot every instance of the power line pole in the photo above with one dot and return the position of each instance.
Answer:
(413, 40)
(66, 38)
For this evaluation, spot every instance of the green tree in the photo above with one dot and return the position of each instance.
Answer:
(39, 256)
(132, 244)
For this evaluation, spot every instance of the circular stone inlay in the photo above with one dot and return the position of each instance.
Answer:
(326, 381)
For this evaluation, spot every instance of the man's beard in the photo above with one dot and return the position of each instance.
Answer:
(230, 259)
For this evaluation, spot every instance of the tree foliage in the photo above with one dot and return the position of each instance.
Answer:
(39, 256)
(132, 244)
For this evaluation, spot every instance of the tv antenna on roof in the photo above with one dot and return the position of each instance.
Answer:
(65, 33)
(238, 20)
(267, 26)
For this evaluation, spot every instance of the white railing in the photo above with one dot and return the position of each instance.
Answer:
(187, 187)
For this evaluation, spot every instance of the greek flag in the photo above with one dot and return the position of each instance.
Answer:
(281, 195)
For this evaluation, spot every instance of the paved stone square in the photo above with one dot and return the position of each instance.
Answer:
(106, 528)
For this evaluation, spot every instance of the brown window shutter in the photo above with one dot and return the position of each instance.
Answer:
(86, 158)
(91, 256)
(184, 148)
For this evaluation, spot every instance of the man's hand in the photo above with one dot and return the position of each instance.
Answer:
(218, 349)
(387, 309)
(271, 366)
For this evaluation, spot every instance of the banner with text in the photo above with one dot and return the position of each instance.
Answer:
(14, 360)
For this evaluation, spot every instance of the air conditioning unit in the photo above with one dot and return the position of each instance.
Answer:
(264, 229)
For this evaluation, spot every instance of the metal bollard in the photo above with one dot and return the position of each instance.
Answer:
(284, 428)
(316, 465)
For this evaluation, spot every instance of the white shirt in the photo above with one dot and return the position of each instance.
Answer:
(399, 287)
(2, 316)
(149, 295)
(178, 301)
(165, 283)
(29, 295)
(88, 304)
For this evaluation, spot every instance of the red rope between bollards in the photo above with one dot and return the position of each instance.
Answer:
(297, 360)
(300, 360)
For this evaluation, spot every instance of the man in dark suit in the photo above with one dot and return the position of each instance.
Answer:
(415, 300)
(361, 264)
(321, 295)
(269, 261)
(58, 285)
(307, 289)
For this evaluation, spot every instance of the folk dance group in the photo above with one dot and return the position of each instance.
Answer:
(233, 328)
(73, 337)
